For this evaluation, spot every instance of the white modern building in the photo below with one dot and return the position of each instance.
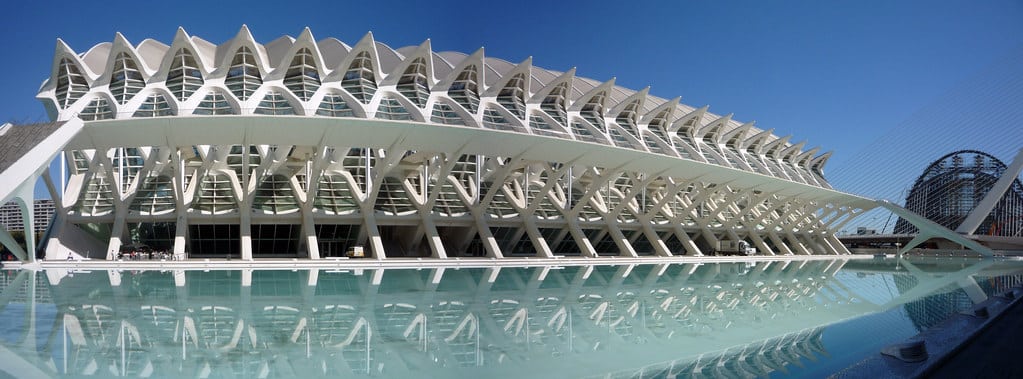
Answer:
(304, 148)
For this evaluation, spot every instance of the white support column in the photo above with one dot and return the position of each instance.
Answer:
(180, 234)
(659, 246)
(181, 220)
(27, 206)
(826, 245)
(585, 246)
(711, 238)
(309, 233)
(687, 242)
(433, 238)
(245, 230)
(8, 241)
(489, 242)
(23, 197)
(785, 250)
(795, 242)
(55, 194)
(821, 243)
(116, 231)
(542, 250)
(836, 244)
(624, 247)
(758, 241)
(376, 244)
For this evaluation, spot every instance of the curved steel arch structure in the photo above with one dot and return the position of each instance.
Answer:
(953, 185)
(297, 145)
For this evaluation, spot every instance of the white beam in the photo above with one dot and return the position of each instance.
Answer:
(983, 209)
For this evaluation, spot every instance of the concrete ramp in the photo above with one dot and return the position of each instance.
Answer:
(25, 153)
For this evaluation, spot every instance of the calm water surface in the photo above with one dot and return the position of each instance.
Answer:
(778, 319)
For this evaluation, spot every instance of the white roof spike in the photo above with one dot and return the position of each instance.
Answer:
(366, 39)
(639, 97)
(671, 105)
(737, 133)
(226, 51)
(304, 40)
(714, 128)
(182, 40)
(565, 77)
(791, 151)
(525, 68)
(121, 45)
(119, 38)
(756, 141)
(585, 98)
(695, 114)
(803, 159)
(180, 35)
(244, 33)
(424, 51)
(774, 147)
(366, 44)
(817, 164)
(474, 59)
(61, 51)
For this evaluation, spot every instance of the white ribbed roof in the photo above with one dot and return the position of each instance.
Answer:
(685, 131)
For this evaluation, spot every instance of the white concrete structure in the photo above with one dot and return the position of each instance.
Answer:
(305, 148)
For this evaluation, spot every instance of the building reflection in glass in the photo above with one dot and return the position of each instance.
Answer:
(656, 320)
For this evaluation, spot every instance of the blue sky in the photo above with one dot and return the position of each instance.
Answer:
(838, 74)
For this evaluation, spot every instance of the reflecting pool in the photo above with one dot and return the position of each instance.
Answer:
(796, 318)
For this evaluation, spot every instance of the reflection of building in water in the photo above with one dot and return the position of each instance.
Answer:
(759, 358)
(931, 310)
(713, 319)
(401, 323)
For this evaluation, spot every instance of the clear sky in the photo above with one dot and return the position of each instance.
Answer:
(838, 74)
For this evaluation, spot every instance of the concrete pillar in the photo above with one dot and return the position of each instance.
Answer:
(245, 230)
(687, 242)
(489, 242)
(779, 243)
(659, 246)
(624, 247)
(585, 246)
(433, 238)
(116, 232)
(309, 233)
(542, 250)
(836, 244)
(180, 234)
(376, 244)
(759, 242)
(711, 238)
(796, 243)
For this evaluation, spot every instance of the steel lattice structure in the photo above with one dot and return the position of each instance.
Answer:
(950, 188)
(309, 146)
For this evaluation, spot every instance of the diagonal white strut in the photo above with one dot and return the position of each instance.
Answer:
(978, 214)
(930, 229)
